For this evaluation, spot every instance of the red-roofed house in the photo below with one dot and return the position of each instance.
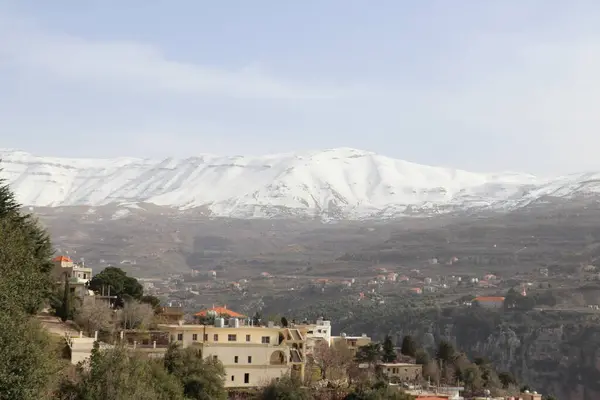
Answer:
(219, 311)
(77, 274)
(490, 301)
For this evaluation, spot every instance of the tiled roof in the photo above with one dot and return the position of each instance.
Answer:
(219, 311)
(489, 298)
(62, 259)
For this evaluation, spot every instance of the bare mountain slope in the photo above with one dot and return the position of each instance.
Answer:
(337, 183)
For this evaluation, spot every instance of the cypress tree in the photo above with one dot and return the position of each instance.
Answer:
(65, 309)
(389, 353)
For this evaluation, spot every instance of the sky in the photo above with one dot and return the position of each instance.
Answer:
(478, 85)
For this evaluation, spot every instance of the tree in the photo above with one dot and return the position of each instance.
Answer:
(284, 322)
(65, 311)
(507, 379)
(201, 379)
(388, 351)
(136, 315)
(120, 374)
(9, 206)
(284, 389)
(473, 378)
(409, 346)
(27, 367)
(95, 316)
(119, 283)
(152, 300)
(445, 352)
(333, 360)
(24, 273)
(377, 392)
(422, 357)
(370, 353)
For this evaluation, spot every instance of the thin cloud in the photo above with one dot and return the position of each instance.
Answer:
(137, 66)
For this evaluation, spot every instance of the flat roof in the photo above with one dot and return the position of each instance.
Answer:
(400, 365)
(190, 326)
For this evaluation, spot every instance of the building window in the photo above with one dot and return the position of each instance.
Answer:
(249, 359)
(248, 338)
(180, 336)
(235, 359)
(216, 337)
(231, 338)
(232, 378)
(206, 337)
(194, 337)
(246, 378)
(215, 358)
(265, 340)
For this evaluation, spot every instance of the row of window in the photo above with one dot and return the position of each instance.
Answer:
(230, 338)
(236, 359)
(246, 378)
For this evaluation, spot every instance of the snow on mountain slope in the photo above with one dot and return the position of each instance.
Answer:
(336, 183)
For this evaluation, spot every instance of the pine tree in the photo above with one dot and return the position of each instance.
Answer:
(9, 206)
(26, 365)
(409, 346)
(389, 353)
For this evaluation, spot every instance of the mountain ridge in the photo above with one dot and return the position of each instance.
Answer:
(341, 183)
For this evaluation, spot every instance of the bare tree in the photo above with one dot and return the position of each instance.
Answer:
(136, 315)
(95, 316)
(334, 360)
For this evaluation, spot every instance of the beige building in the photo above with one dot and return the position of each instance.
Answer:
(353, 342)
(527, 395)
(402, 372)
(252, 355)
(77, 274)
(320, 331)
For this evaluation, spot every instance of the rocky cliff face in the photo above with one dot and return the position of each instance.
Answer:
(555, 353)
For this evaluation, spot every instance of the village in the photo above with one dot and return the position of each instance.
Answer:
(255, 352)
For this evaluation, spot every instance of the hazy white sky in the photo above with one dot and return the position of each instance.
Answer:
(480, 85)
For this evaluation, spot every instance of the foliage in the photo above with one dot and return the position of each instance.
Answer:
(65, 311)
(507, 379)
(256, 319)
(118, 374)
(152, 300)
(445, 351)
(26, 365)
(202, 379)
(388, 351)
(370, 353)
(57, 303)
(332, 360)
(120, 284)
(284, 389)
(95, 316)
(136, 315)
(378, 392)
(24, 279)
(409, 346)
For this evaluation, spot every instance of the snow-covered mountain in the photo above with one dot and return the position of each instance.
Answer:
(336, 183)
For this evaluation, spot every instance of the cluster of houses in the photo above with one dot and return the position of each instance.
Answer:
(252, 354)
